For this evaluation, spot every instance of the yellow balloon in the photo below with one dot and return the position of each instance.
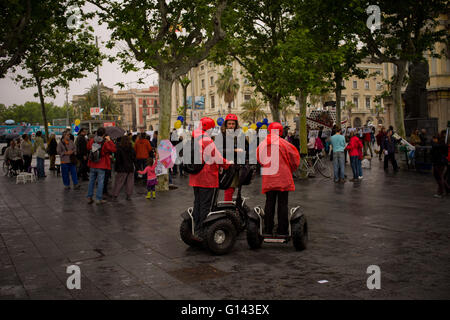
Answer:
(253, 126)
(263, 126)
(245, 129)
(177, 124)
(77, 122)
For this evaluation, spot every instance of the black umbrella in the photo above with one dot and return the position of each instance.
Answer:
(114, 132)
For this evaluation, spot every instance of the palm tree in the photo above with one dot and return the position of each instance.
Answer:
(377, 110)
(227, 86)
(286, 108)
(110, 108)
(253, 110)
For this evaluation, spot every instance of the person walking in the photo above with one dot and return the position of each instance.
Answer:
(439, 154)
(338, 147)
(354, 149)
(100, 149)
(124, 167)
(39, 149)
(52, 152)
(367, 139)
(142, 148)
(389, 151)
(82, 153)
(27, 152)
(152, 180)
(66, 150)
(380, 141)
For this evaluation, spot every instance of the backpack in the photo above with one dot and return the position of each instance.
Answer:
(192, 168)
(95, 152)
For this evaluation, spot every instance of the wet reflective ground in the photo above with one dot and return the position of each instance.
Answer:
(132, 249)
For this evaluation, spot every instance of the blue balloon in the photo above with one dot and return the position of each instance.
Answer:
(180, 118)
(259, 124)
(266, 121)
(220, 121)
(77, 129)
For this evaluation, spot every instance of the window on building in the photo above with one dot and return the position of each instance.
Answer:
(342, 101)
(355, 84)
(355, 101)
(213, 103)
(212, 80)
(203, 83)
(343, 83)
(379, 86)
(202, 67)
(433, 66)
(247, 97)
(368, 102)
(366, 84)
(245, 81)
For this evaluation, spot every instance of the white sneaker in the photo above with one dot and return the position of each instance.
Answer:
(360, 177)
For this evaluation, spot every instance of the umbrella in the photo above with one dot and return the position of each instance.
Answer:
(114, 132)
(167, 153)
(10, 121)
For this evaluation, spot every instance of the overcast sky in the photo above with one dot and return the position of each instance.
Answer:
(110, 74)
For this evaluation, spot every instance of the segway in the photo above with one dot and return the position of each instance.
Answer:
(223, 223)
(298, 229)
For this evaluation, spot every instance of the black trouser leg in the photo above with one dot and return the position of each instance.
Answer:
(386, 161)
(203, 199)
(26, 162)
(269, 211)
(283, 223)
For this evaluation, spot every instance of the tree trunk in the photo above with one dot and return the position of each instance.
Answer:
(338, 92)
(184, 105)
(302, 124)
(44, 114)
(397, 98)
(165, 95)
(275, 108)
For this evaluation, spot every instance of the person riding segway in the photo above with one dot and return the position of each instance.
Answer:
(202, 225)
(278, 159)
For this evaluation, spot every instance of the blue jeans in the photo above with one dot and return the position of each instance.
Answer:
(339, 165)
(355, 166)
(94, 174)
(359, 168)
(65, 168)
(40, 167)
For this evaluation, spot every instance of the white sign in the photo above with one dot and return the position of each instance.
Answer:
(196, 115)
(95, 111)
(160, 169)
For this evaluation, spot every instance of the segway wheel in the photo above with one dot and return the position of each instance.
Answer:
(254, 239)
(221, 236)
(186, 234)
(300, 234)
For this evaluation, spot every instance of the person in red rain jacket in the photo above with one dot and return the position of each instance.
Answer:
(278, 159)
(207, 179)
(98, 169)
(354, 148)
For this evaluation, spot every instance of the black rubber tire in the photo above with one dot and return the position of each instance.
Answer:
(300, 234)
(324, 169)
(186, 234)
(230, 236)
(254, 239)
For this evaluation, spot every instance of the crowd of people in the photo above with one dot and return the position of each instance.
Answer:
(134, 157)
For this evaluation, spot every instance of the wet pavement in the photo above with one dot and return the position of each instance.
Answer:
(132, 249)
